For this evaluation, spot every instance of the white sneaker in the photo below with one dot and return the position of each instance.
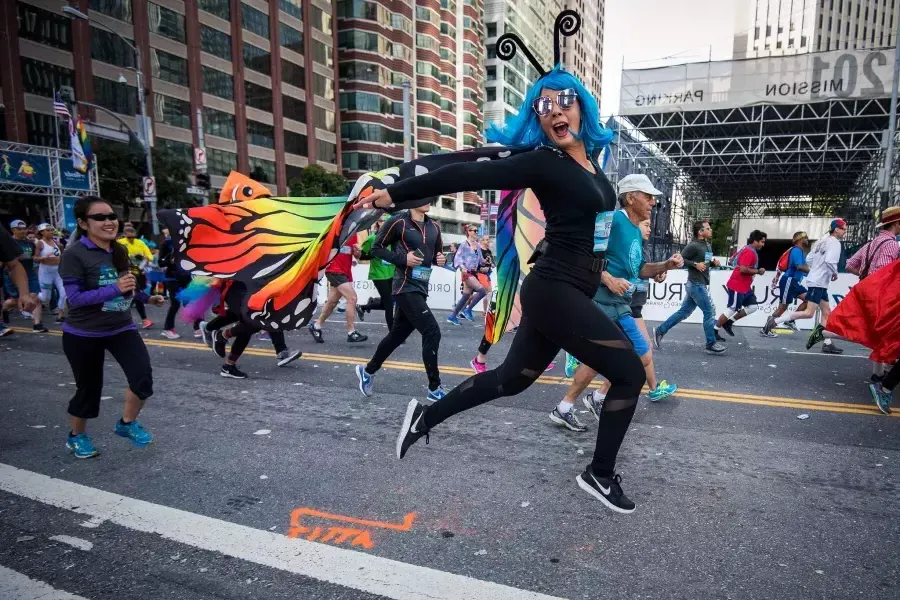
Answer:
(169, 334)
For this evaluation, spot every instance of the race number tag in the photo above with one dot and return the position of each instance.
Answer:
(421, 274)
(346, 250)
(602, 227)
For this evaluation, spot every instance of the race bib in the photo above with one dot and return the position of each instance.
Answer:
(346, 250)
(707, 258)
(421, 274)
(109, 276)
(602, 227)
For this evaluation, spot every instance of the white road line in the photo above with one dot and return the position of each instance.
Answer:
(828, 355)
(16, 586)
(348, 568)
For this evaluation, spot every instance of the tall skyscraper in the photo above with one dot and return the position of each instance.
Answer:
(777, 27)
(259, 73)
(582, 54)
(436, 45)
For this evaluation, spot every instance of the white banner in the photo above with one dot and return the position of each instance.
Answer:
(793, 79)
(663, 300)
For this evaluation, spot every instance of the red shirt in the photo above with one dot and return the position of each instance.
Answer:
(741, 282)
(343, 261)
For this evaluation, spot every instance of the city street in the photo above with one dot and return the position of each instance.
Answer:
(285, 485)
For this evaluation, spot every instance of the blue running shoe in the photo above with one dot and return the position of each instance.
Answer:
(664, 389)
(571, 365)
(81, 446)
(453, 319)
(135, 432)
(467, 314)
(365, 380)
(882, 397)
(437, 394)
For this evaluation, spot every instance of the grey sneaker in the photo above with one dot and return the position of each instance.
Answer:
(716, 348)
(567, 420)
(593, 404)
(286, 357)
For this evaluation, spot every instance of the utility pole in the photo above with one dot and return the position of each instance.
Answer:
(887, 183)
(407, 125)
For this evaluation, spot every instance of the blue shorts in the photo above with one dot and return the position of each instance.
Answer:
(790, 290)
(34, 286)
(816, 295)
(629, 326)
(737, 300)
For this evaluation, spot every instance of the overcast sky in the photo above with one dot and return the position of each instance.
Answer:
(645, 31)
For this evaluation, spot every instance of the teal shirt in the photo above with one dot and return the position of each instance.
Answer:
(625, 256)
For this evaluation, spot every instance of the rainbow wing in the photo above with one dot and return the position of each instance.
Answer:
(520, 226)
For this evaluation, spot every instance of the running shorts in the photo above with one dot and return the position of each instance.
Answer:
(790, 290)
(485, 280)
(816, 294)
(34, 285)
(629, 326)
(737, 301)
(336, 279)
(638, 300)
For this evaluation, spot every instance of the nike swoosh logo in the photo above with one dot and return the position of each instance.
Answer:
(602, 489)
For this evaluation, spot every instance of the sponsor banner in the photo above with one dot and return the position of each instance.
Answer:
(71, 178)
(663, 300)
(793, 79)
(69, 212)
(28, 169)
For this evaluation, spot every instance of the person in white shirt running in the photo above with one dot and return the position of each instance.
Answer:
(47, 255)
(823, 262)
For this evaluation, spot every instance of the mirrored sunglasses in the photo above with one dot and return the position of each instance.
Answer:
(565, 99)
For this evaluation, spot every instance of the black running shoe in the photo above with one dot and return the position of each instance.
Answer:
(719, 338)
(316, 334)
(361, 312)
(219, 343)
(715, 348)
(815, 336)
(39, 328)
(412, 428)
(356, 337)
(768, 327)
(727, 327)
(657, 337)
(286, 357)
(232, 371)
(831, 349)
(567, 420)
(607, 490)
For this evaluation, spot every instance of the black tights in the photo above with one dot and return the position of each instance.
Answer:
(413, 314)
(892, 378)
(385, 301)
(239, 345)
(557, 315)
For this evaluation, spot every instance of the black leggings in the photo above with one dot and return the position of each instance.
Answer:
(173, 287)
(86, 356)
(557, 315)
(892, 378)
(220, 321)
(385, 302)
(412, 314)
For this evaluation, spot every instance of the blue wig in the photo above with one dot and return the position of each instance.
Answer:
(524, 130)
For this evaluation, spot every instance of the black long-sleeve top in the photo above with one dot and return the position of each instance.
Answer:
(400, 236)
(577, 204)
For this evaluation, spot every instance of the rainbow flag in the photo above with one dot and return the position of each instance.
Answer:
(85, 144)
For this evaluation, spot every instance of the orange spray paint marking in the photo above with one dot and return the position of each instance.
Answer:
(341, 534)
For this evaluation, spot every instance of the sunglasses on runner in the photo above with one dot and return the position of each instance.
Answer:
(103, 217)
(565, 99)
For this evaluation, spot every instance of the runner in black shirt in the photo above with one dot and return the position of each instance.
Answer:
(558, 311)
(416, 242)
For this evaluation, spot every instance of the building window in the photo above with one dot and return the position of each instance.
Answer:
(260, 134)
(182, 152)
(324, 86)
(492, 30)
(295, 143)
(45, 27)
(325, 119)
(42, 78)
(323, 54)
(41, 129)
(366, 102)
(117, 9)
(165, 22)
(220, 162)
(292, 108)
(220, 8)
(363, 71)
(361, 161)
(217, 43)
(448, 131)
(427, 148)
(262, 170)
(326, 152)
(290, 38)
(216, 122)
(117, 97)
(491, 73)
(293, 8)
(172, 111)
(471, 140)
(320, 20)
(255, 21)
(491, 94)
(169, 67)
(217, 83)
(110, 48)
(293, 74)
(257, 59)
(370, 132)
(257, 96)
(511, 97)
(491, 51)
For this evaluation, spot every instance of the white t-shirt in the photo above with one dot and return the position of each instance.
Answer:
(823, 262)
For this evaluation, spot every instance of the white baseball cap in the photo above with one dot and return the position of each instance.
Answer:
(637, 183)
(17, 223)
(44, 226)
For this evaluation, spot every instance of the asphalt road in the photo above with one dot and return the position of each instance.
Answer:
(737, 497)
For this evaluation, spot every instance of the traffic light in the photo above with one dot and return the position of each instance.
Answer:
(202, 180)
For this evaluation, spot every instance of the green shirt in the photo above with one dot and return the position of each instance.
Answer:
(625, 256)
(378, 268)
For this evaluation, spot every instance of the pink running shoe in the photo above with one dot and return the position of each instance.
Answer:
(477, 366)
(550, 367)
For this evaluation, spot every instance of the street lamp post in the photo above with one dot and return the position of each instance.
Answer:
(144, 138)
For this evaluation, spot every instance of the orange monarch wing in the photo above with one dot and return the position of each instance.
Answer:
(239, 187)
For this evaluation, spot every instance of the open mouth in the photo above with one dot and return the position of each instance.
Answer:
(561, 130)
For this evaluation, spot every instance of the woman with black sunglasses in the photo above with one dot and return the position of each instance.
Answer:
(99, 291)
(550, 145)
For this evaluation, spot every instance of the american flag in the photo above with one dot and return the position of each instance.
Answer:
(60, 108)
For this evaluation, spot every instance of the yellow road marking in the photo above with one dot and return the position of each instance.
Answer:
(733, 397)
